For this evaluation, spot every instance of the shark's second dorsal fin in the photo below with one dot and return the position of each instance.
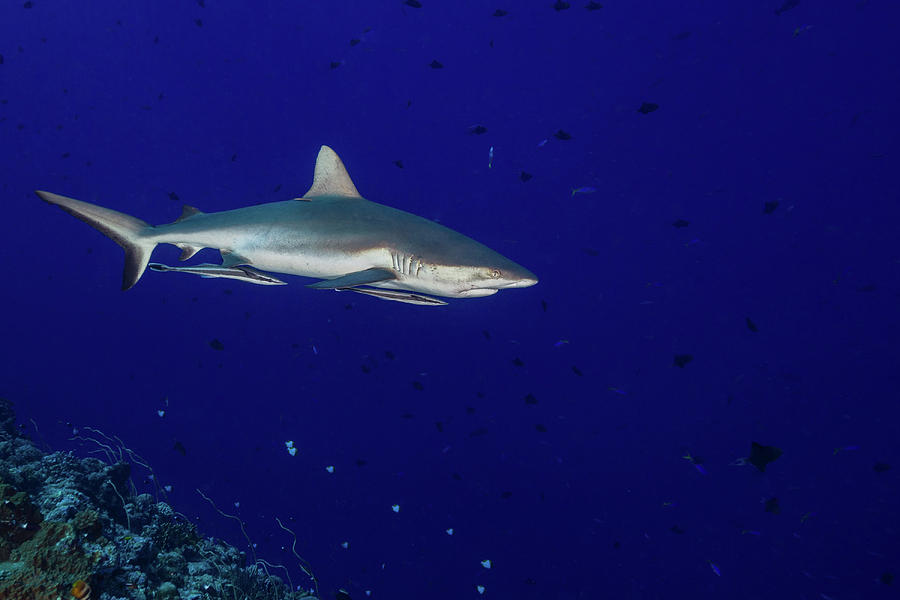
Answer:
(331, 177)
(187, 212)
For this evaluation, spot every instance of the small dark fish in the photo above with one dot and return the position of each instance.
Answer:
(361, 462)
(478, 432)
(518, 362)
(540, 428)
(470, 410)
(760, 455)
(276, 189)
(354, 41)
(881, 467)
(887, 578)
(457, 476)
(530, 399)
(156, 39)
(335, 64)
(499, 13)
(786, 6)
(544, 305)
(198, 22)
(676, 530)
(65, 155)
(682, 36)
(560, 5)
(365, 368)
(682, 359)
(577, 371)
(506, 495)
(174, 196)
(201, 3)
(1, 59)
(477, 129)
(435, 65)
(525, 176)
(413, 3)
(179, 447)
(407, 415)
(418, 385)
(486, 334)
(562, 135)
(233, 157)
(648, 107)
(389, 355)
(399, 163)
(28, 4)
(680, 223)
(439, 425)
(216, 345)
(769, 207)
(593, 5)
(772, 505)
(869, 287)
(751, 325)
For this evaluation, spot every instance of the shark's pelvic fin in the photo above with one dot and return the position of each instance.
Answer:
(398, 296)
(232, 259)
(366, 277)
(127, 231)
(331, 177)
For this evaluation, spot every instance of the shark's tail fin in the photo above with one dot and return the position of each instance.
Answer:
(127, 231)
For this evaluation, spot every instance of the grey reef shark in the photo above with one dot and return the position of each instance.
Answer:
(331, 233)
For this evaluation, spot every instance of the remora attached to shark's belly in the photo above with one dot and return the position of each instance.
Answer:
(331, 233)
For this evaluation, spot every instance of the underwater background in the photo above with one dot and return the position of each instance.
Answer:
(706, 191)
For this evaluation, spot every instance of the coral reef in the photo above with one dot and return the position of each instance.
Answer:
(74, 528)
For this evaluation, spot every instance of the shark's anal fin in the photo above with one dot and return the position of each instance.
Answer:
(350, 280)
(398, 296)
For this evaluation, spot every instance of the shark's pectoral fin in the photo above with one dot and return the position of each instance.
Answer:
(366, 277)
(398, 296)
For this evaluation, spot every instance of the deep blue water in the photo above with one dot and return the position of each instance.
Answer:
(130, 105)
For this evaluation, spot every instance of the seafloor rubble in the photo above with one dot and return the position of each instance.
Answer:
(73, 528)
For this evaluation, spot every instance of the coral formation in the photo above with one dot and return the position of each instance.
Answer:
(74, 528)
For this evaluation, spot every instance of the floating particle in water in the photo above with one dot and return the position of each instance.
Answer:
(648, 107)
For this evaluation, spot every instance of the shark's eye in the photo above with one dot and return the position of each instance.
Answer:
(495, 273)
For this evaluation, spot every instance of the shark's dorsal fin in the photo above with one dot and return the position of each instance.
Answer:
(187, 212)
(331, 177)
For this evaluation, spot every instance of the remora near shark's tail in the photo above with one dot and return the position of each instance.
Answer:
(125, 230)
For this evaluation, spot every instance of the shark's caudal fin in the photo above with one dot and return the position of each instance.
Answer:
(127, 231)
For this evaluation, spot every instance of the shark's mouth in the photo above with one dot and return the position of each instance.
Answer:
(477, 292)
